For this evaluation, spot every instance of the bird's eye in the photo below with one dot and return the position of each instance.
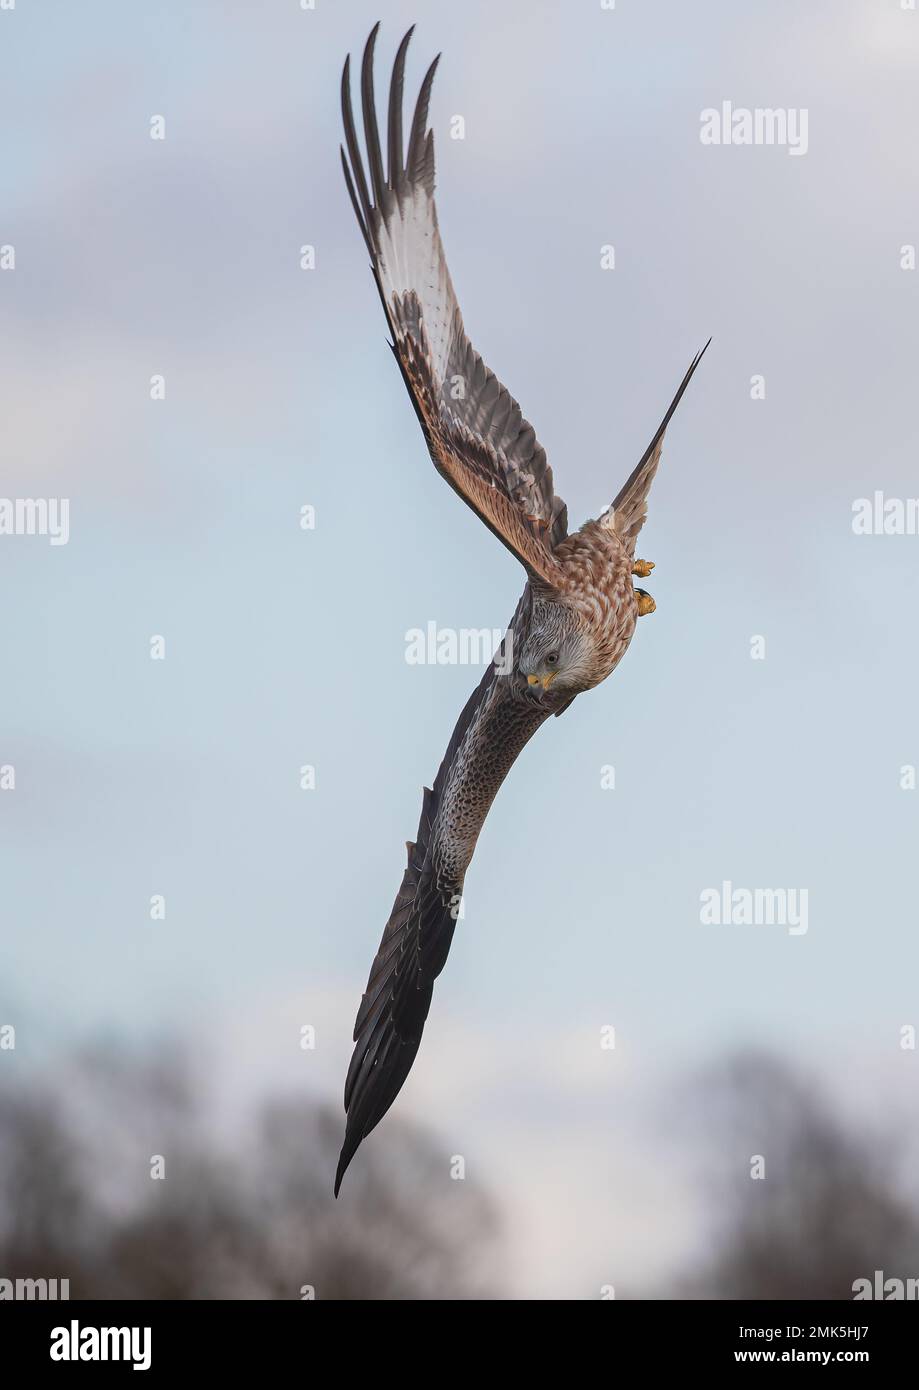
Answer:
(552, 658)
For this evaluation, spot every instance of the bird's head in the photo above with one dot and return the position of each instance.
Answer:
(557, 652)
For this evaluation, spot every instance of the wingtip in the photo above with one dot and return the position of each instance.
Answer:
(697, 359)
(428, 80)
(404, 42)
(348, 1151)
(370, 45)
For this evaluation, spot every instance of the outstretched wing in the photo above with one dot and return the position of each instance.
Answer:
(490, 733)
(474, 428)
(630, 508)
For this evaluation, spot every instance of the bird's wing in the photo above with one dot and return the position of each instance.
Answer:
(476, 433)
(630, 508)
(490, 733)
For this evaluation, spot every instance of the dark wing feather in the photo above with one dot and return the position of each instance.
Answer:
(476, 433)
(631, 505)
(492, 729)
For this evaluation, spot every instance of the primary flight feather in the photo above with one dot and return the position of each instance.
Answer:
(573, 622)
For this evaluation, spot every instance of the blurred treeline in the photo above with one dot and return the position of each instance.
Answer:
(254, 1218)
(232, 1218)
(837, 1200)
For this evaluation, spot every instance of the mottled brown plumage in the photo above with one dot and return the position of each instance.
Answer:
(571, 627)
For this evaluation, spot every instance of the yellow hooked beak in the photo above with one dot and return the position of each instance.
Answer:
(544, 681)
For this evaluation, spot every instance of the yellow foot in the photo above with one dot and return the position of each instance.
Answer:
(646, 603)
(643, 568)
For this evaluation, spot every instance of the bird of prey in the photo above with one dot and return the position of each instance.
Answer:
(572, 625)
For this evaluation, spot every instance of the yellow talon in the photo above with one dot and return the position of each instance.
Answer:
(643, 568)
(646, 603)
